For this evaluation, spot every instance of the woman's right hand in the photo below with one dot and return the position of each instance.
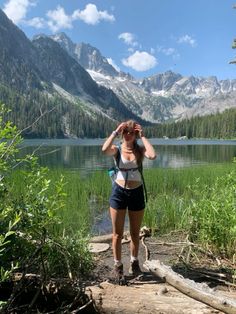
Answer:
(121, 127)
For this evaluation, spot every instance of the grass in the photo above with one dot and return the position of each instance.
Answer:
(171, 195)
(172, 190)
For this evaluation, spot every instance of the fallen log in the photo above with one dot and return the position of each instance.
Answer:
(107, 238)
(197, 291)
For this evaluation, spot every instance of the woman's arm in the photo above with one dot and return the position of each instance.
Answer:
(108, 147)
(149, 151)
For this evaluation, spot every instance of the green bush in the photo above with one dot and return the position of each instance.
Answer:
(31, 238)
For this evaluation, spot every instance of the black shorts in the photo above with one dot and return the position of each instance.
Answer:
(122, 198)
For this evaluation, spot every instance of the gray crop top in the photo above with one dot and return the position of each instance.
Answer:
(131, 175)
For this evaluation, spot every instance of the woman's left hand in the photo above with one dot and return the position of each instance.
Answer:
(138, 129)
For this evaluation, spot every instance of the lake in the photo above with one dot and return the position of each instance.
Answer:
(85, 155)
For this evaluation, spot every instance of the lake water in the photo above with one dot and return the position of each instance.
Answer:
(85, 155)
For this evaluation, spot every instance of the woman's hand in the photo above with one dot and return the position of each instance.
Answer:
(121, 127)
(138, 129)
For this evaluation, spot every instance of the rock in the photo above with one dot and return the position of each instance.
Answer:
(98, 247)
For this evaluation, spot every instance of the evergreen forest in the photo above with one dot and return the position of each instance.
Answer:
(214, 126)
(43, 116)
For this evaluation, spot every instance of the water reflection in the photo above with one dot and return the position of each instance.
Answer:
(86, 155)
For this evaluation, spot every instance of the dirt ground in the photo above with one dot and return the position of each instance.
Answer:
(149, 294)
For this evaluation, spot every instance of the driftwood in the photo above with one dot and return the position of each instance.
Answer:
(107, 238)
(199, 292)
(214, 276)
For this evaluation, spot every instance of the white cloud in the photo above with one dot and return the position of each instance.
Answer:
(188, 40)
(16, 10)
(166, 51)
(130, 49)
(111, 62)
(140, 61)
(128, 38)
(91, 15)
(169, 51)
(58, 19)
(36, 22)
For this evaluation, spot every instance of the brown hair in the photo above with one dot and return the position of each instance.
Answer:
(138, 150)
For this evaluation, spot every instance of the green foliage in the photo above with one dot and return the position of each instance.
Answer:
(174, 197)
(31, 237)
(76, 120)
(199, 200)
(26, 109)
(212, 215)
(220, 125)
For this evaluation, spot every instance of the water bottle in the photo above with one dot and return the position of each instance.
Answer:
(112, 173)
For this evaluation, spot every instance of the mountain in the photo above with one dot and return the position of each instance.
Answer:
(41, 72)
(161, 97)
(171, 96)
(87, 94)
(88, 56)
(64, 71)
(17, 56)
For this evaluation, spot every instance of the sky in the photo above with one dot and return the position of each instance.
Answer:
(141, 37)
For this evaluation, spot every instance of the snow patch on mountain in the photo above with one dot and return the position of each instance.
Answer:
(159, 93)
(98, 76)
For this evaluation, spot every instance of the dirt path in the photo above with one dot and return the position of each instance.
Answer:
(147, 298)
(148, 294)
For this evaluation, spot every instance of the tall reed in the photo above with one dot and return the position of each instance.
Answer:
(171, 191)
(171, 195)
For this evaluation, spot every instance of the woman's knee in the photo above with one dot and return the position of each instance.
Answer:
(134, 235)
(117, 237)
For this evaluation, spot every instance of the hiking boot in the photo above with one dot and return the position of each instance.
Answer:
(118, 272)
(134, 269)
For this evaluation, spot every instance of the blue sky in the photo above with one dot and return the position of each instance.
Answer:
(190, 37)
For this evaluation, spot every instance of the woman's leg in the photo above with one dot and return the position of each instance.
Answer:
(135, 221)
(118, 221)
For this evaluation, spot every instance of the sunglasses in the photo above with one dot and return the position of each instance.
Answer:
(128, 132)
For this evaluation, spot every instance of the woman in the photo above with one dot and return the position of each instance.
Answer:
(127, 190)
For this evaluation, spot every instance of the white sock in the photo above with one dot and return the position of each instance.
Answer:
(117, 262)
(133, 258)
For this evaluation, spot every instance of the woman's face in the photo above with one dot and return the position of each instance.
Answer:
(129, 134)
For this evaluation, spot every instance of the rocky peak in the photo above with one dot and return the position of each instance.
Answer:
(162, 81)
(88, 56)
(61, 68)
(65, 42)
(91, 58)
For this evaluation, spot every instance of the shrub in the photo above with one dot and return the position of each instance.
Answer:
(30, 238)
